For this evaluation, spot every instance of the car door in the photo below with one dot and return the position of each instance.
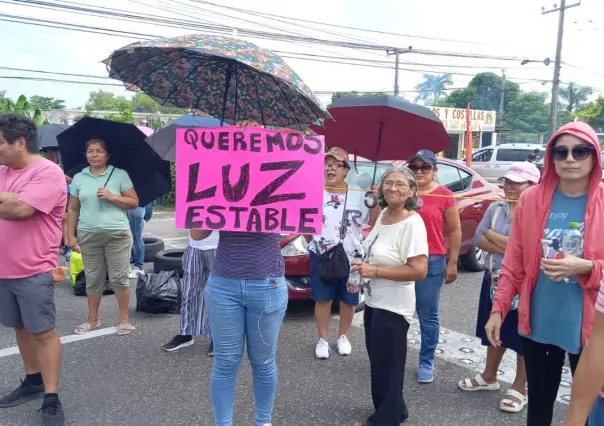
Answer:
(469, 192)
(481, 159)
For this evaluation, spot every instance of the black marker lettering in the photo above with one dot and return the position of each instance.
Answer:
(294, 141)
(237, 192)
(238, 211)
(223, 141)
(254, 221)
(304, 220)
(192, 220)
(271, 219)
(207, 144)
(239, 142)
(265, 195)
(191, 138)
(284, 226)
(216, 211)
(192, 195)
(255, 141)
(274, 140)
(317, 149)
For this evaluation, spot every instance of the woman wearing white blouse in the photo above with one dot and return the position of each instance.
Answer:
(396, 256)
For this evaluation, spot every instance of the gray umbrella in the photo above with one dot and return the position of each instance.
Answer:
(47, 135)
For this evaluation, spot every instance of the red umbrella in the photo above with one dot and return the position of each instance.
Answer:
(383, 128)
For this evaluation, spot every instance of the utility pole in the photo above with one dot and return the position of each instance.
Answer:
(557, 64)
(396, 53)
(501, 101)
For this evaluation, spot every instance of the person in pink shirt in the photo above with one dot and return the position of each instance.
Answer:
(589, 376)
(33, 199)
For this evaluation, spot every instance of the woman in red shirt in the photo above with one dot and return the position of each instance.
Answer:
(439, 212)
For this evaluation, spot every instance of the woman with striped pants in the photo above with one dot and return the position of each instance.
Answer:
(196, 263)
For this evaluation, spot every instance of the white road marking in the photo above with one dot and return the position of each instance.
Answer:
(468, 352)
(163, 219)
(67, 339)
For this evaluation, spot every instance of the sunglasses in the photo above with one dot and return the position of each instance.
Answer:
(579, 153)
(424, 168)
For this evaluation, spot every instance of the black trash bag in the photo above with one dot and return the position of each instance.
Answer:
(79, 289)
(158, 293)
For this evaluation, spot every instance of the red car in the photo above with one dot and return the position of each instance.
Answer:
(463, 181)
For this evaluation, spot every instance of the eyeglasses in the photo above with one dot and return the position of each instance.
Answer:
(513, 184)
(579, 153)
(396, 185)
(334, 167)
(424, 168)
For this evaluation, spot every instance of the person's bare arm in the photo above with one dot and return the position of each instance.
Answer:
(127, 200)
(589, 377)
(12, 208)
(73, 215)
(500, 240)
(199, 234)
(489, 246)
(454, 227)
(415, 269)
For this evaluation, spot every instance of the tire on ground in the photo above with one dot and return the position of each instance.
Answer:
(168, 260)
(470, 262)
(152, 247)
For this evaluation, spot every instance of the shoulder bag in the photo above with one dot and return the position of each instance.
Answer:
(333, 265)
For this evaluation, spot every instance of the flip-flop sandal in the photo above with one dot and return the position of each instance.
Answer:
(124, 329)
(86, 327)
(511, 406)
(468, 386)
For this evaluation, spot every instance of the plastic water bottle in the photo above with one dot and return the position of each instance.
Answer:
(572, 243)
(354, 278)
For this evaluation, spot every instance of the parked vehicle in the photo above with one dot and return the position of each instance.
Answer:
(493, 162)
(451, 174)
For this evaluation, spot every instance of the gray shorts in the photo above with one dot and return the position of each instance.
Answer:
(29, 302)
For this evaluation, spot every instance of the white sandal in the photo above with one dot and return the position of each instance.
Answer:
(512, 406)
(468, 386)
(86, 327)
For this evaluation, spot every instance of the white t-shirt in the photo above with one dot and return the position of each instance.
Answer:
(210, 243)
(357, 213)
(392, 246)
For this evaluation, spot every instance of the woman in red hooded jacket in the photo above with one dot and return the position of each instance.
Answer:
(554, 260)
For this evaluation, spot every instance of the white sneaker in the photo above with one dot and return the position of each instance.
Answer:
(344, 347)
(136, 273)
(322, 349)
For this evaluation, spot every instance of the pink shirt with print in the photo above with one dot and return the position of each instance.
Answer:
(30, 246)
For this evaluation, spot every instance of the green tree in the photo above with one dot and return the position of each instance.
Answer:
(527, 113)
(432, 88)
(339, 95)
(23, 107)
(123, 117)
(141, 102)
(102, 100)
(575, 96)
(483, 92)
(593, 114)
(46, 103)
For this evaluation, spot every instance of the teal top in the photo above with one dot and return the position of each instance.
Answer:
(98, 215)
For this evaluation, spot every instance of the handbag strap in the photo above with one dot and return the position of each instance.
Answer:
(493, 222)
(344, 223)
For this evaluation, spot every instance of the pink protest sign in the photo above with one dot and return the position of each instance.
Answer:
(250, 180)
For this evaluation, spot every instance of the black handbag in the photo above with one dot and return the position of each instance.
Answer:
(333, 265)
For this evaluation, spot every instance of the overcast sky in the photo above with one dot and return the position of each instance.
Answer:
(511, 28)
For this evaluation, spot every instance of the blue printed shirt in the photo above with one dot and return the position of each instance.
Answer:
(557, 306)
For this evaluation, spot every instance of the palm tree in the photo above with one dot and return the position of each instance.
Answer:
(432, 88)
(23, 107)
(575, 96)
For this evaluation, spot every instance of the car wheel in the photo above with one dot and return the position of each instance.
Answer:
(473, 260)
(168, 260)
(152, 247)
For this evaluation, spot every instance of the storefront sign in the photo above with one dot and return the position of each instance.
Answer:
(454, 119)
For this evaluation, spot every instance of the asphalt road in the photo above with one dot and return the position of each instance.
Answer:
(130, 381)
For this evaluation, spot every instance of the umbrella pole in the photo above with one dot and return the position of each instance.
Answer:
(229, 74)
(373, 203)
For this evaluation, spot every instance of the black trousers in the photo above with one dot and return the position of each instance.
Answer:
(386, 341)
(544, 372)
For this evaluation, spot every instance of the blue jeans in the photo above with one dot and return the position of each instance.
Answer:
(596, 417)
(240, 312)
(137, 223)
(427, 294)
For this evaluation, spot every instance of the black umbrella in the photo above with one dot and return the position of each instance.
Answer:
(127, 149)
(47, 135)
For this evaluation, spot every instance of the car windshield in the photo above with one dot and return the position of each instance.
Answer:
(362, 174)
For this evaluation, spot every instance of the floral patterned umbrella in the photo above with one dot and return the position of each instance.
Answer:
(227, 78)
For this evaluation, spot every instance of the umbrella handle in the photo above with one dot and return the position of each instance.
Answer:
(371, 204)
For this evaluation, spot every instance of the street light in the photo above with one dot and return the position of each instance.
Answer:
(546, 61)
